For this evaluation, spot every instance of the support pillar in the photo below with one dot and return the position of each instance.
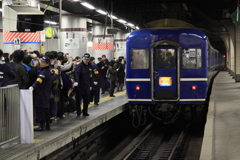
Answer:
(102, 45)
(120, 43)
(237, 53)
(73, 35)
(230, 56)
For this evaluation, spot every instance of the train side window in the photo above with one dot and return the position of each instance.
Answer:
(192, 58)
(139, 59)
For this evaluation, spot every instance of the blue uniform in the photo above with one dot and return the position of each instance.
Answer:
(96, 77)
(41, 94)
(6, 73)
(83, 75)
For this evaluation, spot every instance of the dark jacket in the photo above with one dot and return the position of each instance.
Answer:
(121, 72)
(7, 73)
(42, 88)
(113, 73)
(83, 75)
(95, 77)
(32, 74)
(104, 70)
(55, 85)
(21, 77)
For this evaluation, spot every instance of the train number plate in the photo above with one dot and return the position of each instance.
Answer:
(165, 81)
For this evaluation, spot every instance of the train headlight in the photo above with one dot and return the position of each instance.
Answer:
(194, 88)
(138, 88)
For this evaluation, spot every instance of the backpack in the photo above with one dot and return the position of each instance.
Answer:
(67, 83)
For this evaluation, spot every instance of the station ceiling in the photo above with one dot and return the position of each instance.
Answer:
(207, 15)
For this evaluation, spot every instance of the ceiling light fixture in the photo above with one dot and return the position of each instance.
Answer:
(101, 11)
(121, 21)
(185, 6)
(164, 6)
(50, 22)
(1, 10)
(130, 24)
(137, 27)
(113, 17)
(87, 5)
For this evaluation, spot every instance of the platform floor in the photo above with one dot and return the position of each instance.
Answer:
(222, 130)
(63, 131)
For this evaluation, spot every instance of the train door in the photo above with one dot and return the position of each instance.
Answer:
(165, 78)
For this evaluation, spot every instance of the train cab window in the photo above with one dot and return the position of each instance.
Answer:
(165, 58)
(139, 59)
(192, 58)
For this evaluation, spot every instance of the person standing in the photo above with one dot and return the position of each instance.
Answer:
(95, 92)
(120, 74)
(41, 94)
(7, 73)
(113, 77)
(103, 67)
(21, 76)
(83, 82)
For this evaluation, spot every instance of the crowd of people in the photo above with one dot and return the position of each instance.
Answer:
(59, 82)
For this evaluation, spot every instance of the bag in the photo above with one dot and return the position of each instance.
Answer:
(108, 75)
(67, 83)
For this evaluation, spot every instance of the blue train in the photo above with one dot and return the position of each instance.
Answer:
(168, 72)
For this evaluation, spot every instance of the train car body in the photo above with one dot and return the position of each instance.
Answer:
(168, 71)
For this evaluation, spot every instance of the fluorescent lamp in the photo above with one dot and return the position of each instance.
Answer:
(75, 0)
(137, 27)
(50, 22)
(113, 17)
(130, 24)
(164, 6)
(185, 6)
(88, 5)
(101, 11)
(1, 10)
(121, 21)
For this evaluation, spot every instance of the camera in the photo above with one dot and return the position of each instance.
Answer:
(3, 59)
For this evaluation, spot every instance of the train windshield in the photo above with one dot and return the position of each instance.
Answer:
(192, 58)
(165, 58)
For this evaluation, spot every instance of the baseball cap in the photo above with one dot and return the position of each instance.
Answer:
(86, 56)
(45, 59)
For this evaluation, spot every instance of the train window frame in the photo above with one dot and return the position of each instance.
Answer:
(165, 61)
(139, 64)
(195, 52)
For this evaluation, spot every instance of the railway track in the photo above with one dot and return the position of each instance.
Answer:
(153, 143)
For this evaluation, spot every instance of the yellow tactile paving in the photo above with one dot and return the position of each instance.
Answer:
(104, 99)
(37, 140)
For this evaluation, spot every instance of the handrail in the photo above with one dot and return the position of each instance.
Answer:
(9, 114)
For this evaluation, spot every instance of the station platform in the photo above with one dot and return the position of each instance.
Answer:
(222, 130)
(65, 130)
